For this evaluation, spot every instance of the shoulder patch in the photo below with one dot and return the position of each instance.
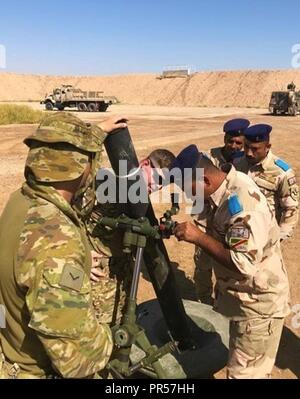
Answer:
(292, 181)
(238, 238)
(294, 193)
(282, 165)
(72, 278)
(234, 205)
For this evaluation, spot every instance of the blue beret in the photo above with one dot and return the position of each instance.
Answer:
(188, 158)
(236, 127)
(258, 133)
(186, 161)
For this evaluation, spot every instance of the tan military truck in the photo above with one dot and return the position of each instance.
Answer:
(285, 102)
(68, 96)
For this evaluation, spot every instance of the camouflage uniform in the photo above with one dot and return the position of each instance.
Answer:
(203, 275)
(278, 183)
(256, 298)
(110, 293)
(51, 328)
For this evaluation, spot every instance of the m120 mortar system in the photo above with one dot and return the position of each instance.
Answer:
(68, 96)
(167, 337)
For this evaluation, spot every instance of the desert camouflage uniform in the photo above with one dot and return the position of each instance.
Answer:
(277, 181)
(203, 275)
(255, 299)
(51, 328)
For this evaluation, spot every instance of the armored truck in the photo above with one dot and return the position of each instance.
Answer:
(68, 96)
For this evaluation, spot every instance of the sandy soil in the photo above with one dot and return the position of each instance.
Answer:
(175, 127)
(206, 89)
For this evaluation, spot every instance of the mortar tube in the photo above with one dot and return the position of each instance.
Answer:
(119, 146)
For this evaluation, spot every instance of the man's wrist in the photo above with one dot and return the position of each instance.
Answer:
(200, 237)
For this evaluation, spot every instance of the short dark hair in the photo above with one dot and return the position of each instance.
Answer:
(229, 136)
(162, 157)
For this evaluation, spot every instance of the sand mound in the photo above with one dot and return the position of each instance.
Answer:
(206, 89)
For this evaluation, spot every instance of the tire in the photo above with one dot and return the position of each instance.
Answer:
(60, 107)
(82, 107)
(92, 107)
(49, 106)
(103, 107)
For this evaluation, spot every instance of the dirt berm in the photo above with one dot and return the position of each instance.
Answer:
(206, 89)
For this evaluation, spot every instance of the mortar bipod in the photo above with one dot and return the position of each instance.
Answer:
(129, 333)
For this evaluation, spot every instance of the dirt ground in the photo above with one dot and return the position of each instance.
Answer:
(173, 128)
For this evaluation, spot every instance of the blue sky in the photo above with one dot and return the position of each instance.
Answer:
(116, 36)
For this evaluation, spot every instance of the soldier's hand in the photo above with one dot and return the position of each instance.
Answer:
(96, 273)
(115, 122)
(187, 232)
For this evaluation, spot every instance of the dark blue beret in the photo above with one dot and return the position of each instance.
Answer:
(184, 163)
(258, 133)
(188, 158)
(236, 127)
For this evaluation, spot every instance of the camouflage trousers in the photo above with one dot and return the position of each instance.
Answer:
(109, 294)
(203, 277)
(253, 347)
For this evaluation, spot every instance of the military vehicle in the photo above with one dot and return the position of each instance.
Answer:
(68, 96)
(285, 102)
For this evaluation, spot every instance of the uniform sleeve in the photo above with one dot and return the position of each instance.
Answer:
(102, 239)
(246, 237)
(62, 316)
(289, 203)
(50, 271)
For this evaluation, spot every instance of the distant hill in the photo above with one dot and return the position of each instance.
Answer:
(206, 89)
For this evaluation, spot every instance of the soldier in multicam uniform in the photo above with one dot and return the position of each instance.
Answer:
(231, 152)
(274, 177)
(243, 238)
(111, 271)
(112, 275)
(51, 329)
(154, 166)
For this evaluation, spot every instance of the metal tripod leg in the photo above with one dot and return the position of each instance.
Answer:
(136, 273)
(129, 333)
